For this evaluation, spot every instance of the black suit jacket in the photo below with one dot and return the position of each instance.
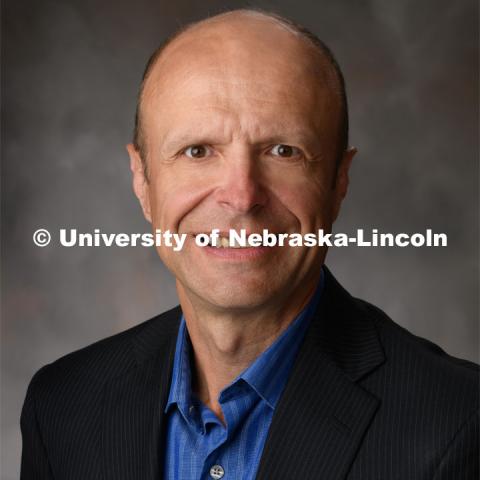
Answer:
(365, 400)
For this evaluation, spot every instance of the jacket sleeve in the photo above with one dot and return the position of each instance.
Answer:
(461, 459)
(35, 465)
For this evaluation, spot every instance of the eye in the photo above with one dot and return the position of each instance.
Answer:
(285, 151)
(197, 151)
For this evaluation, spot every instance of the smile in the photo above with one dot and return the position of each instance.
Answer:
(231, 241)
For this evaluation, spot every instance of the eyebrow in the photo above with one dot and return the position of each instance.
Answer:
(282, 134)
(175, 143)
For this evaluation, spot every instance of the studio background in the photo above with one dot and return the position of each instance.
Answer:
(71, 71)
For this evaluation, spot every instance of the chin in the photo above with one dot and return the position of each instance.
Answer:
(239, 296)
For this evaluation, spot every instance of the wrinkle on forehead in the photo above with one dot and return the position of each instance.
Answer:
(188, 100)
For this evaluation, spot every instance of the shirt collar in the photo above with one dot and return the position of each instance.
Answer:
(181, 386)
(267, 375)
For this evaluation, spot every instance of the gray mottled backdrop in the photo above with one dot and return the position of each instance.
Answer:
(70, 74)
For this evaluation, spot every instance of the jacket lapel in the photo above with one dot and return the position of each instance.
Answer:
(133, 420)
(323, 414)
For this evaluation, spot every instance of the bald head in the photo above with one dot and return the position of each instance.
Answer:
(251, 42)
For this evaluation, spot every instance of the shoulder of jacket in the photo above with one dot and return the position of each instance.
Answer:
(405, 350)
(102, 360)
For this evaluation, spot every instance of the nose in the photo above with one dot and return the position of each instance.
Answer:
(241, 188)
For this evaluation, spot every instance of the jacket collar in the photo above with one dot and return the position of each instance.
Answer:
(133, 430)
(320, 418)
(324, 412)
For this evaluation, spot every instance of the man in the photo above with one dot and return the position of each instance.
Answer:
(268, 369)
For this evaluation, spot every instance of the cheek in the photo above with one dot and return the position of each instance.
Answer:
(306, 195)
(174, 193)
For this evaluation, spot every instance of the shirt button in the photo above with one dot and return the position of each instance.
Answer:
(217, 472)
(191, 410)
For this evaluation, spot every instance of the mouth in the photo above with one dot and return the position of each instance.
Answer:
(226, 245)
(225, 241)
(235, 240)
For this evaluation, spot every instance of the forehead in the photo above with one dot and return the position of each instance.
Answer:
(254, 67)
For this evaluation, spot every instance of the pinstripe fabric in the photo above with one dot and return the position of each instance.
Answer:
(197, 440)
(365, 400)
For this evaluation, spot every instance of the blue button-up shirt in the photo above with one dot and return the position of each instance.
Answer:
(197, 440)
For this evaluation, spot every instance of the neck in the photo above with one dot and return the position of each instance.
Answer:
(225, 343)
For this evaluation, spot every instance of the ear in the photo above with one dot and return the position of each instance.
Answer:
(342, 180)
(139, 181)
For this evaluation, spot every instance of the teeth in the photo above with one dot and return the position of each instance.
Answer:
(223, 242)
(235, 244)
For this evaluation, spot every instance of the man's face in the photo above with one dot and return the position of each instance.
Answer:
(241, 132)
